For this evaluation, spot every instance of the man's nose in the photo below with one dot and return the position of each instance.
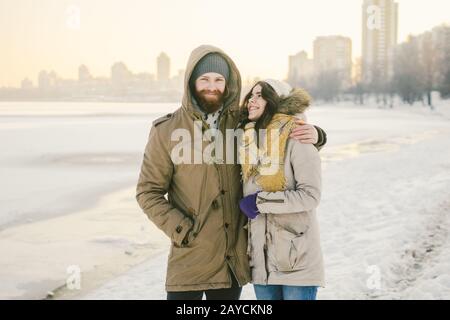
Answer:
(211, 86)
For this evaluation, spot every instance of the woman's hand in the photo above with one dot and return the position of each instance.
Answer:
(305, 133)
(248, 206)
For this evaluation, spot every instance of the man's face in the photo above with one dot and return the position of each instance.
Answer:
(209, 90)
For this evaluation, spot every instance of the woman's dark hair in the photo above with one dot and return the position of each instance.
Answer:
(273, 100)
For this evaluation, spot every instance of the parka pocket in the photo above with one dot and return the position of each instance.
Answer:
(290, 249)
(191, 236)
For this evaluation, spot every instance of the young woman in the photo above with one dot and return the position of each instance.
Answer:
(282, 189)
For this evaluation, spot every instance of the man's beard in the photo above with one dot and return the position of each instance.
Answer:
(209, 104)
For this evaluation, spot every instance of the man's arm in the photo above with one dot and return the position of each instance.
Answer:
(309, 134)
(322, 139)
(154, 181)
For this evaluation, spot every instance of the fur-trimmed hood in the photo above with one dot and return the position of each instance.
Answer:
(233, 83)
(297, 102)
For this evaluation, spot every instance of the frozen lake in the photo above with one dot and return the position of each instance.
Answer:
(59, 157)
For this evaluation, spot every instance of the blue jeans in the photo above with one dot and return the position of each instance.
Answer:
(279, 292)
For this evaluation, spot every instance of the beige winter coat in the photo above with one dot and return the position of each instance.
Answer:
(284, 242)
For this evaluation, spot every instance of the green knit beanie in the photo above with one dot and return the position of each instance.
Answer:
(212, 62)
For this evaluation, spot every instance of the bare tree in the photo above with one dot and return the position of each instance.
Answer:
(408, 72)
(428, 63)
(327, 86)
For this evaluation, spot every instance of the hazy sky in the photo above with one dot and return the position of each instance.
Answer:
(259, 35)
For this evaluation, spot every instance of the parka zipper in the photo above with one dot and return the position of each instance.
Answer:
(263, 200)
(266, 256)
(223, 169)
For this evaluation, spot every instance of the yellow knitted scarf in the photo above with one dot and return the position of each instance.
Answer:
(266, 163)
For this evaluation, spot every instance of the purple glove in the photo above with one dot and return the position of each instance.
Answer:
(248, 206)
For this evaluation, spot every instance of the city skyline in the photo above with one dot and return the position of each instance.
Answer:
(301, 63)
(74, 49)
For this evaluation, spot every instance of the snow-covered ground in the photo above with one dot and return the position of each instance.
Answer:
(384, 215)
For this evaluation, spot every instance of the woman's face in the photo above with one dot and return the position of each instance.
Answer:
(256, 104)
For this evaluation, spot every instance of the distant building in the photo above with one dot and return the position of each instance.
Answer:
(46, 80)
(83, 74)
(334, 54)
(380, 30)
(120, 76)
(441, 41)
(433, 55)
(163, 68)
(301, 69)
(26, 84)
(177, 82)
